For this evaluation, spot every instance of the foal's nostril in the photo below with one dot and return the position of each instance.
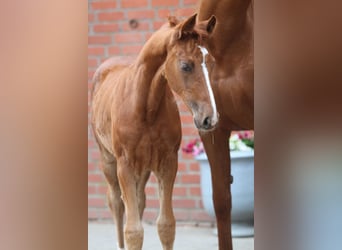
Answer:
(207, 123)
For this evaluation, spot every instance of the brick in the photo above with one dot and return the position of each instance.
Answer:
(114, 50)
(183, 108)
(95, 178)
(91, 190)
(133, 3)
(181, 167)
(101, 28)
(99, 40)
(150, 215)
(194, 167)
(164, 13)
(131, 49)
(158, 24)
(150, 191)
(191, 179)
(187, 119)
(106, 214)
(183, 203)
(110, 16)
(188, 2)
(95, 155)
(103, 5)
(186, 12)
(95, 51)
(96, 202)
(128, 38)
(91, 167)
(152, 203)
(92, 62)
(90, 18)
(189, 131)
(195, 191)
(179, 191)
(165, 2)
(92, 214)
(102, 190)
(140, 14)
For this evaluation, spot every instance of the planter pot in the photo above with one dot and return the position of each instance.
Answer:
(242, 190)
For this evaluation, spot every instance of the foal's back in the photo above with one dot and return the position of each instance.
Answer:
(104, 82)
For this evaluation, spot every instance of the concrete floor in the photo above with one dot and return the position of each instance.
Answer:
(101, 236)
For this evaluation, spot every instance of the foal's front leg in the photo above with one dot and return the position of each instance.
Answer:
(166, 175)
(133, 230)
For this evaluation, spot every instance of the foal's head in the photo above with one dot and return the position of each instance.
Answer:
(187, 68)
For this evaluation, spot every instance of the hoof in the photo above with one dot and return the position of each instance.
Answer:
(119, 248)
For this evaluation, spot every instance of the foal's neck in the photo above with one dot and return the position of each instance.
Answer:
(154, 52)
(151, 83)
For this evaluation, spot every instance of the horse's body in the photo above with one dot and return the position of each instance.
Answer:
(137, 126)
(232, 78)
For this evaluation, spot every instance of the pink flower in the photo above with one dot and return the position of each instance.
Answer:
(241, 140)
(194, 147)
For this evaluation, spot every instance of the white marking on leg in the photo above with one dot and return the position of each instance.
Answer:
(207, 81)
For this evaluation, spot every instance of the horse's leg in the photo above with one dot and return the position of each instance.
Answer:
(141, 192)
(166, 221)
(216, 144)
(114, 199)
(133, 230)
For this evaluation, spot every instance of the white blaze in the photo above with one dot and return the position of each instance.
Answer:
(207, 81)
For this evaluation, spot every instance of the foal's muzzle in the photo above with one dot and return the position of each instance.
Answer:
(205, 124)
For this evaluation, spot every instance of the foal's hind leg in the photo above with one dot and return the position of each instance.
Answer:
(114, 200)
(141, 192)
(134, 232)
(166, 221)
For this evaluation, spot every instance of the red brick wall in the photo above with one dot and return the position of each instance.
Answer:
(110, 35)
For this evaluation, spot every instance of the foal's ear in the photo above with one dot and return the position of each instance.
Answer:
(187, 26)
(173, 21)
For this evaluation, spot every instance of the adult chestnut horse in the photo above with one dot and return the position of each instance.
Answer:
(232, 78)
(136, 122)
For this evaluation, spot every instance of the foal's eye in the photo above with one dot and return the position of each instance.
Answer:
(186, 67)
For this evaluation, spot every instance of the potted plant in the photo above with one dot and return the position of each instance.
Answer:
(242, 190)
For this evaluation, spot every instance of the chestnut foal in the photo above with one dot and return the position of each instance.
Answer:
(232, 78)
(136, 122)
